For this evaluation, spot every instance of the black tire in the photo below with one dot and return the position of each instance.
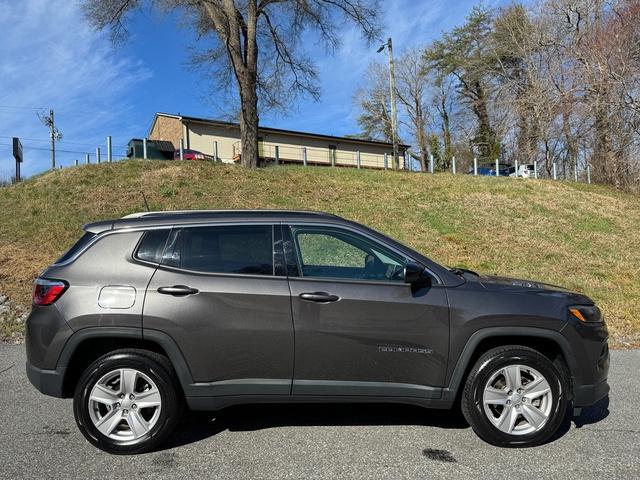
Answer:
(491, 362)
(159, 370)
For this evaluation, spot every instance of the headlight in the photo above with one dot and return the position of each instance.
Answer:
(586, 314)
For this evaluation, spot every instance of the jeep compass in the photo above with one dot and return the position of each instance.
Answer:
(158, 311)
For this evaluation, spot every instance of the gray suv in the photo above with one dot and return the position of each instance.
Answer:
(160, 310)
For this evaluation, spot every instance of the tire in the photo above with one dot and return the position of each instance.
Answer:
(105, 408)
(503, 417)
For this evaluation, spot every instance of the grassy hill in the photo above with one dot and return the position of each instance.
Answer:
(584, 237)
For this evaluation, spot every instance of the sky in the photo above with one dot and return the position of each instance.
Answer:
(51, 58)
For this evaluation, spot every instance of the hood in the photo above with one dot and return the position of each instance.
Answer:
(515, 285)
(488, 280)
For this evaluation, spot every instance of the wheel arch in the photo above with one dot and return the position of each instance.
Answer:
(87, 345)
(550, 343)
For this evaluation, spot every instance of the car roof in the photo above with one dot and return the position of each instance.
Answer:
(185, 217)
(194, 217)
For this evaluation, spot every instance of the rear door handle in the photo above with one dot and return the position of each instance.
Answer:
(178, 290)
(319, 297)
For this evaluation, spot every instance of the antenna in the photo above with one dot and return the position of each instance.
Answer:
(145, 202)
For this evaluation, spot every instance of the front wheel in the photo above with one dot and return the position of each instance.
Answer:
(127, 402)
(514, 397)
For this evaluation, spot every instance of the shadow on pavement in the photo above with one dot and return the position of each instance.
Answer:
(198, 426)
(593, 414)
(588, 416)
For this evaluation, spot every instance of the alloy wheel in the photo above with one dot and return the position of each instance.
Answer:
(517, 399)
(124, 404)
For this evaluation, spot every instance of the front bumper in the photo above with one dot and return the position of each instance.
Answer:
(49, 382)
(586, 395)
(589, 361)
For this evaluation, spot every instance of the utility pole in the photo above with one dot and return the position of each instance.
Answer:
(394, 112)
(55, 134)
(52, 127)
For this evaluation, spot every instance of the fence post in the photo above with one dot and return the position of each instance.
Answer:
(475, 166)
(182, 149)
(109, 150)
(575, 171)
(386, 160)
(215, 150)
(431, 163)
(76, 162)
(334, 153)
(497, 167)
(144, 148)
(358, 158)
(277, 148)
(555, 171)
(97, 154)
(588, 173)
(87, 158)
(304, 156)
(516, 168)
(535, 169)
(453, 165)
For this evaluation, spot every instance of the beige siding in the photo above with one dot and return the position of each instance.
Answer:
(167, 128)
(291, 150)
(202, 137)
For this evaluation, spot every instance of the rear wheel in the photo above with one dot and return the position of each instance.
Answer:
(514, 397)
(127, 401)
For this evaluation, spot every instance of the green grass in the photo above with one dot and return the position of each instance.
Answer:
(585, 237)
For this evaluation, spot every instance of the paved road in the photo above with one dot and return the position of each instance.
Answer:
(39, 439)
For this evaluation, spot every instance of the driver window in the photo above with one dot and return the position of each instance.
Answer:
(335, 253)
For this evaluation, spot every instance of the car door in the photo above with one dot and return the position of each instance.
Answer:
(359, 329)
(219, 295)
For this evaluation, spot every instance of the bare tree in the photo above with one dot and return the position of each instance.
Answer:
(412, 88)
(442, 99)
(374, 103)
(260, 40)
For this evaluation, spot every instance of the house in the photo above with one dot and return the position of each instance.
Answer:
(221, 140)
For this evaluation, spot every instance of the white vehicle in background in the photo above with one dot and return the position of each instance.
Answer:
(524, 171)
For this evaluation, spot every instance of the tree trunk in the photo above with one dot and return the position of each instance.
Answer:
(446, 133)
(602, 145)
(424, 151)
(523, 154)
(249, 127)
(486, 136)
(423, 143)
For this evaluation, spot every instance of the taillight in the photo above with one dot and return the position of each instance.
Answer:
(46, 291)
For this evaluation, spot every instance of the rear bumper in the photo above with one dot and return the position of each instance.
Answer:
(49, 382)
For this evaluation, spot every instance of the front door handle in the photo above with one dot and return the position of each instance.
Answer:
(319, 297)
(178, 290)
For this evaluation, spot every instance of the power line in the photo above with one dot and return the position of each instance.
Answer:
(16, 107)
(47, 140)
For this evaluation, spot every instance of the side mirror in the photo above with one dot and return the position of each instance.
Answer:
(416, 275)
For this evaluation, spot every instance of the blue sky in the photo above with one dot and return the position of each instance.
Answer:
(51, 58)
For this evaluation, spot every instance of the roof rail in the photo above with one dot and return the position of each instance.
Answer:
(161, 213)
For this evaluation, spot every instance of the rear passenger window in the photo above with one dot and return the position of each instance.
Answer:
(244, 249)
(79, 245)
(152, 246)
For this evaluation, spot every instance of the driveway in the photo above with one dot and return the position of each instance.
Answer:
(39, 439)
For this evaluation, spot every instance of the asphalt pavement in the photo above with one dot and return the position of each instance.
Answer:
(39, 439)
